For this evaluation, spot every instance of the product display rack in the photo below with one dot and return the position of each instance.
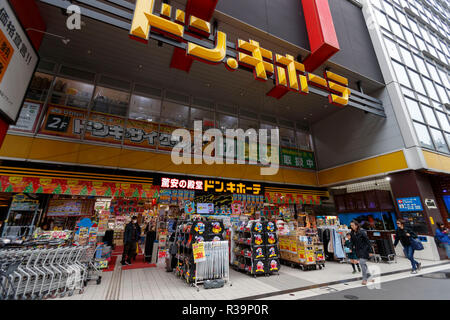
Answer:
(189, 233)
(255, 249)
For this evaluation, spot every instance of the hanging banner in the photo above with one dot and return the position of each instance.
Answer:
(28, 117)
(296, 158)
(292, 198)
(19, 184)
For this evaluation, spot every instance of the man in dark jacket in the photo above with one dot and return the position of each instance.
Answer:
(130, 239)
(362, 247)
(403, 234)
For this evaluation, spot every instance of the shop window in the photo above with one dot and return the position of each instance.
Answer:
(439, 141)
(246, 124)
(303, 140)
(423, 135)
(39, 87)
(287, 138)
(174, 114)
(111, 101)
(225, 122)
(146, 109)
(71, 93)
(207, 118)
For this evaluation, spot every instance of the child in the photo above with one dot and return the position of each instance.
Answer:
(351, 255)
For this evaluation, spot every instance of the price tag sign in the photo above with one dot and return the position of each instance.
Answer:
(199, 252)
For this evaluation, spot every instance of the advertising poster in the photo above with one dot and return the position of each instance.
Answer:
(18, 60)
(27, 118)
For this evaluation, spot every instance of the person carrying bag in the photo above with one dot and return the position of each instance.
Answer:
(409, 242)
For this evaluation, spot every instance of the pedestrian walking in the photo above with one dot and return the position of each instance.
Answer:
(362, 247)
(130, 238)
(351, 254)
(405, 236)
(442, 237)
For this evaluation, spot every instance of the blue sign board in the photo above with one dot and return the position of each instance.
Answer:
(409, 204)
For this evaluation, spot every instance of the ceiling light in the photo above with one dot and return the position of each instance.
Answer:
(388, 178)
(89, 51)
(65, 41)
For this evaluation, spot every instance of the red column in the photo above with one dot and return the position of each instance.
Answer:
(321, 33)
(28, 13)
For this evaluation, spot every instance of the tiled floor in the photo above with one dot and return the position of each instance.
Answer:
(157, 284)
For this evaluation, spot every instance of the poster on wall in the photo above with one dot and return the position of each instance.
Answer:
(27, 118)
(18, 61)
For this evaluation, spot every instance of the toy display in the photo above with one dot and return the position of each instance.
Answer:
(256, 249)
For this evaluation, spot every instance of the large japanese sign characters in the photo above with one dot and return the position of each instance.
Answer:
(209, 185)
(18, 61)
(287, 73)
(71, 123)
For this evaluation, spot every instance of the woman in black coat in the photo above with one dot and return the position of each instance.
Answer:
(362, 247)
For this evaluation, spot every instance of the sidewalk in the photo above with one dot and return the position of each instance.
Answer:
(291, 283)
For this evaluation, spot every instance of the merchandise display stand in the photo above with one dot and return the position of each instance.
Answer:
(302, 249)
(209, 263)
(255, 248)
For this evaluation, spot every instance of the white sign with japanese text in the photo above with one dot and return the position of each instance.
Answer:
(18, 60)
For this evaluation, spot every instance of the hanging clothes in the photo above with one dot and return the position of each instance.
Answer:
(337, 242)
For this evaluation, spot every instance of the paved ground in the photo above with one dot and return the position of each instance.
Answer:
(431, 286)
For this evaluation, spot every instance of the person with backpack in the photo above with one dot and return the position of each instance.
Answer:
(405, 235)
(442, 238)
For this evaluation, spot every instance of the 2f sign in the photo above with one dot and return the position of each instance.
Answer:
(74, 20)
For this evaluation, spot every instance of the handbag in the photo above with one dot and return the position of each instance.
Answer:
(416, 244)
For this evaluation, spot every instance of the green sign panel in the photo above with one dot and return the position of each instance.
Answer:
(297, 158)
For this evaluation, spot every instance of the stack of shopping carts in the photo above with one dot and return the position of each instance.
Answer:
(45, 273)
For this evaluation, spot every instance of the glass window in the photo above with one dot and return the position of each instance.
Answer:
(287, 138)
(111, 101)
(443, 119)
(39, 87)
(226, 122)
(401, 74)
(402, 18)
(71, 93)
(146, 109)
(433, 73)
(430, 88)
(382, 20)
(442, 93)
(421, 43)
(423, 135)
(206, 116)
(304, 140)
(392, 49)
(174, 114)
(439, 141)
(413, 26)
(409, 37)
(396, 28)
(407, 58)
(246, 124)
(444, 78)
(415, 79)
(421, 65)
(389, 9)
(414, 109)
(429, 115)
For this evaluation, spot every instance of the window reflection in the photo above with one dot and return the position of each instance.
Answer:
(145, 109)
(174, 114)
(110, 101)
(39, 87)
(71, 93)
